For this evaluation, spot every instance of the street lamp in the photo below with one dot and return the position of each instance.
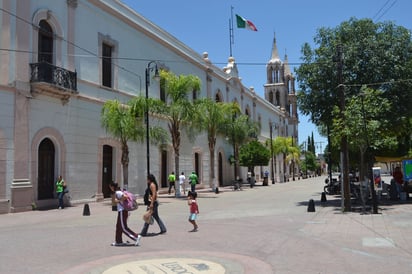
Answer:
(151, 66)
(271, 153)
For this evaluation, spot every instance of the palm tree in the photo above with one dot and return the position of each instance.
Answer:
(294, 157)
(282, 146)
(210, 115)
(126, 122)
(178, 109)
(241, 129)
(118, 121)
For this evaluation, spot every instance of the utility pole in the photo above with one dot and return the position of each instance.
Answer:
(344, 140)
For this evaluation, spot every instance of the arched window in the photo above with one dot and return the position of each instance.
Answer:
(45, 46)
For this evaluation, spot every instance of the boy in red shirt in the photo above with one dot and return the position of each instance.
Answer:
(194, 209)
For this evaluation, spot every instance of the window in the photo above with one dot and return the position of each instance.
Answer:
(162, 90)
(107, 51)
(45, 41)
(194, 95)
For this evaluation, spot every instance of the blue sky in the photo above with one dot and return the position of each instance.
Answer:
(204, 26)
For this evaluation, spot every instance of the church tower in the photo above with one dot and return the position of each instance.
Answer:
(280, 90)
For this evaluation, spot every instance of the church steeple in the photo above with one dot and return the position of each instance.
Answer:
(274, 68)
(275, 54)
(287, 68)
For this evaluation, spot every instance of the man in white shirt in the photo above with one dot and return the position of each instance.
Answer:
(182, 179)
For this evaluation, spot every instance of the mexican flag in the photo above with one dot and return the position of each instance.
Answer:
(242, 23)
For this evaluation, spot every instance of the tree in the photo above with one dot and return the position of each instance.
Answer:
(282, 145)
(126, 122)
(365, 124)
(239, 129)
(293, 156)
(209, 116)
(118, 121)
(178, 109)
(374, 53)
(253, 154)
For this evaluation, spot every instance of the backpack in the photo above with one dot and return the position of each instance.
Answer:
(146, 197)
(130, 202)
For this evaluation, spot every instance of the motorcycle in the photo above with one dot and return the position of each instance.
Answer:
(332, 187)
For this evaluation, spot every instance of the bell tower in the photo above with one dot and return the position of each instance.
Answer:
(280, 89)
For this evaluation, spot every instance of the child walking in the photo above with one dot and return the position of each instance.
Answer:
(194, 209)
(122, 215)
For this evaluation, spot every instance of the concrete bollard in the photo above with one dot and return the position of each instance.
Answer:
(311, 206)
(323, 197)
(86, 210)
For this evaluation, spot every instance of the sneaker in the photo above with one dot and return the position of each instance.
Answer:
(118, 244)
(137, 243)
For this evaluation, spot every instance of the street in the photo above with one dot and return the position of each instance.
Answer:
(265, 229)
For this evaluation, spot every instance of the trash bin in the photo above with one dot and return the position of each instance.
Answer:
(265, 181)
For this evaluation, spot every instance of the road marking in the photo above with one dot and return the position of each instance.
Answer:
(378, 242)
(167, 265)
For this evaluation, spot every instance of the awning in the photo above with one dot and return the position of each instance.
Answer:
(384, 159)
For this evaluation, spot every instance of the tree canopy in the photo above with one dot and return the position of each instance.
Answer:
(377, 55)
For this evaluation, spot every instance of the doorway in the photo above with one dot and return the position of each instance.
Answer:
(163, 175)
(107, 175)
(220, 170)
(46, 176)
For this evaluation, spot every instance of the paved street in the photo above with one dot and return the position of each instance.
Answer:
(266, 229)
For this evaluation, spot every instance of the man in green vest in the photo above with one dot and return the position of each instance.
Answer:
(193, 181)
(172, 179)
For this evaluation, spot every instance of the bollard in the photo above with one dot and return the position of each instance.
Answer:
(323, 197)
(86, 210)
(311, 206)
(217, 190)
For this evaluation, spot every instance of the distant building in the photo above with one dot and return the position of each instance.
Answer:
(61, 60)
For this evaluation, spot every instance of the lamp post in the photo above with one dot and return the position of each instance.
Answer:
(234, 148)
(152, 65)
(271, 153)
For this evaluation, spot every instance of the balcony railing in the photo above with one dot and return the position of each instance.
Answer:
(59, 77)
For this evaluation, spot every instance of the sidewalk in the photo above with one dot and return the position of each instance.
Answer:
(265, 229)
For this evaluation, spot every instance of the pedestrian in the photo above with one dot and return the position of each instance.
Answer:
(153, 205)
(60, 186)
(182, 180)
(122, 215)
(172, 180)
(194, 209)
(193, 181)
(398, 177)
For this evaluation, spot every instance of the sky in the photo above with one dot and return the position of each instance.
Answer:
(204, 27)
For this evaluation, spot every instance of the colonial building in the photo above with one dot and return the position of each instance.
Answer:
(61, 61)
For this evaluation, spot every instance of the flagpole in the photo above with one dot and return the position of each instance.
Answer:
(231, 35)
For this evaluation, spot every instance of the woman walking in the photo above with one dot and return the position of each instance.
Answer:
(122, 215)
(153, 205)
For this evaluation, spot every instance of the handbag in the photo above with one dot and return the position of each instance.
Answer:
(148, 217)
(65, 189)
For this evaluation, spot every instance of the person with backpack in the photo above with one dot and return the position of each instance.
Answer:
(122, 215)
(152, 205)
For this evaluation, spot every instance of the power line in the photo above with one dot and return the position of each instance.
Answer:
(385, 11)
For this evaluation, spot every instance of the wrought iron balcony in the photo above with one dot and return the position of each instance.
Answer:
(55, 81)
